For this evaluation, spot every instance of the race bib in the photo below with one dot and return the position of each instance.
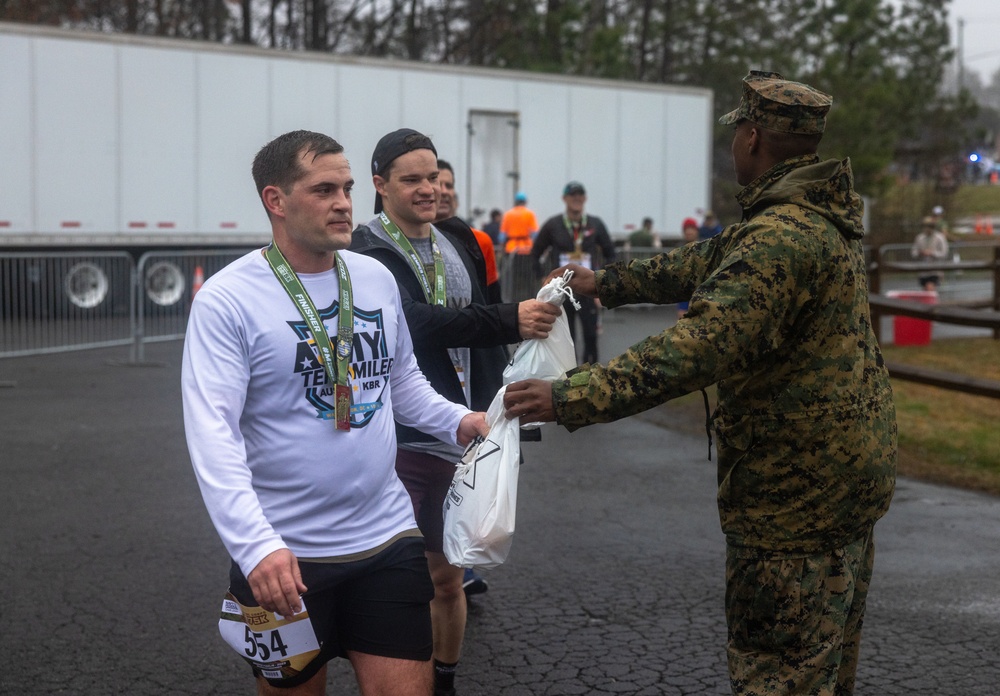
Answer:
(279, 646)
(576, 257)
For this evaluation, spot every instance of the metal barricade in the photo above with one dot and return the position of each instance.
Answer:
(519, 278)
(55, 302)
(966, 273)
(169, 283)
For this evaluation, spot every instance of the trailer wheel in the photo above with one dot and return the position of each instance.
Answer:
(165, 284)
(86, 285)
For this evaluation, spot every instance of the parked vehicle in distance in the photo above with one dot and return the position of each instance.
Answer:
(123, 142)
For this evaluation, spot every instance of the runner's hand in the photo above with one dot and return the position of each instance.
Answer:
(277, 583)
(470, 426)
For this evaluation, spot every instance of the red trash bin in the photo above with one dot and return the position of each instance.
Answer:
(909, 331)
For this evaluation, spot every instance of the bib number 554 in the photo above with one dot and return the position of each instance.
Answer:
(258, 648)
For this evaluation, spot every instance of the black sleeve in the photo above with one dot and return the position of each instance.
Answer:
(493, 294)
(478, 325)
(543, 242)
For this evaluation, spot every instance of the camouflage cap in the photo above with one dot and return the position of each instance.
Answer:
(772, 102)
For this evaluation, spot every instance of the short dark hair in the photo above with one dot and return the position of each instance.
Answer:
(445, 164)
(277, 163)
(784, 146)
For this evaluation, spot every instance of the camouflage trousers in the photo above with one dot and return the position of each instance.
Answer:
(795, 621)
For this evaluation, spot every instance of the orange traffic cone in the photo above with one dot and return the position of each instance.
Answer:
(984, 224)
(197, 281)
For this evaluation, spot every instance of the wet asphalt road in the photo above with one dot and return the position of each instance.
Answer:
(112, 573)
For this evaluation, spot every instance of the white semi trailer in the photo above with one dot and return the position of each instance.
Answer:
(120, 142)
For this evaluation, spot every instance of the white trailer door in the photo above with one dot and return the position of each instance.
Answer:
(494, 166)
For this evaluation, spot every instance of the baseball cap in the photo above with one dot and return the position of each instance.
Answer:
(393, 145)
(689, 222)
(772, 102)
(520, 197)
(573, 188)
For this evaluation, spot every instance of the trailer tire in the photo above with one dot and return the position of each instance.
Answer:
(165, 285)
(86, 286)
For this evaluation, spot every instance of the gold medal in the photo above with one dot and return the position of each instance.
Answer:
(342, 404)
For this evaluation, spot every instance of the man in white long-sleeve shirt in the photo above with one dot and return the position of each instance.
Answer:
(296, 360)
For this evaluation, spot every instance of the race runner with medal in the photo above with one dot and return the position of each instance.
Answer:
(313, 515)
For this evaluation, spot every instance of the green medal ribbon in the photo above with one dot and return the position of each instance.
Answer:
(575, 233)
(336, 367)
(437, 295)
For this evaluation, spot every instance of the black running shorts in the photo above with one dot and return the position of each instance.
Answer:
(378, 605)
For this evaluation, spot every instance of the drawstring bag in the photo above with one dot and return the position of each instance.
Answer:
(479, 509)
(552, 357)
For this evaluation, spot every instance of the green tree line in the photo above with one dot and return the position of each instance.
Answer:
(883, 60)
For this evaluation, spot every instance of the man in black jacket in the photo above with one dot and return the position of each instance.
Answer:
(576, 237)
(459, 340)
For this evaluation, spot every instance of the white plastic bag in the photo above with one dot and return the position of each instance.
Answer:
(552, 357)
(480, 505)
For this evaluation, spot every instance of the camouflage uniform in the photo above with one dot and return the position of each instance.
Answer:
(779, 319)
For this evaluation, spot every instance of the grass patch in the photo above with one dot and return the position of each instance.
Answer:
(974, 200)
(944, 436)
(916, 200)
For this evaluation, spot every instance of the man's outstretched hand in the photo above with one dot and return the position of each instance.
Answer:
(583, 282)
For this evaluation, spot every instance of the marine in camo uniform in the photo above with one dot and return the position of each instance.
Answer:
(806, 426)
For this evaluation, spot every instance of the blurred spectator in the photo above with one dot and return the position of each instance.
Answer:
(940, 224)
(930, 245)
(492, 228)
(644, 237)
(518, 228)
(576, 237)
(710, 226)
(689, 230)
